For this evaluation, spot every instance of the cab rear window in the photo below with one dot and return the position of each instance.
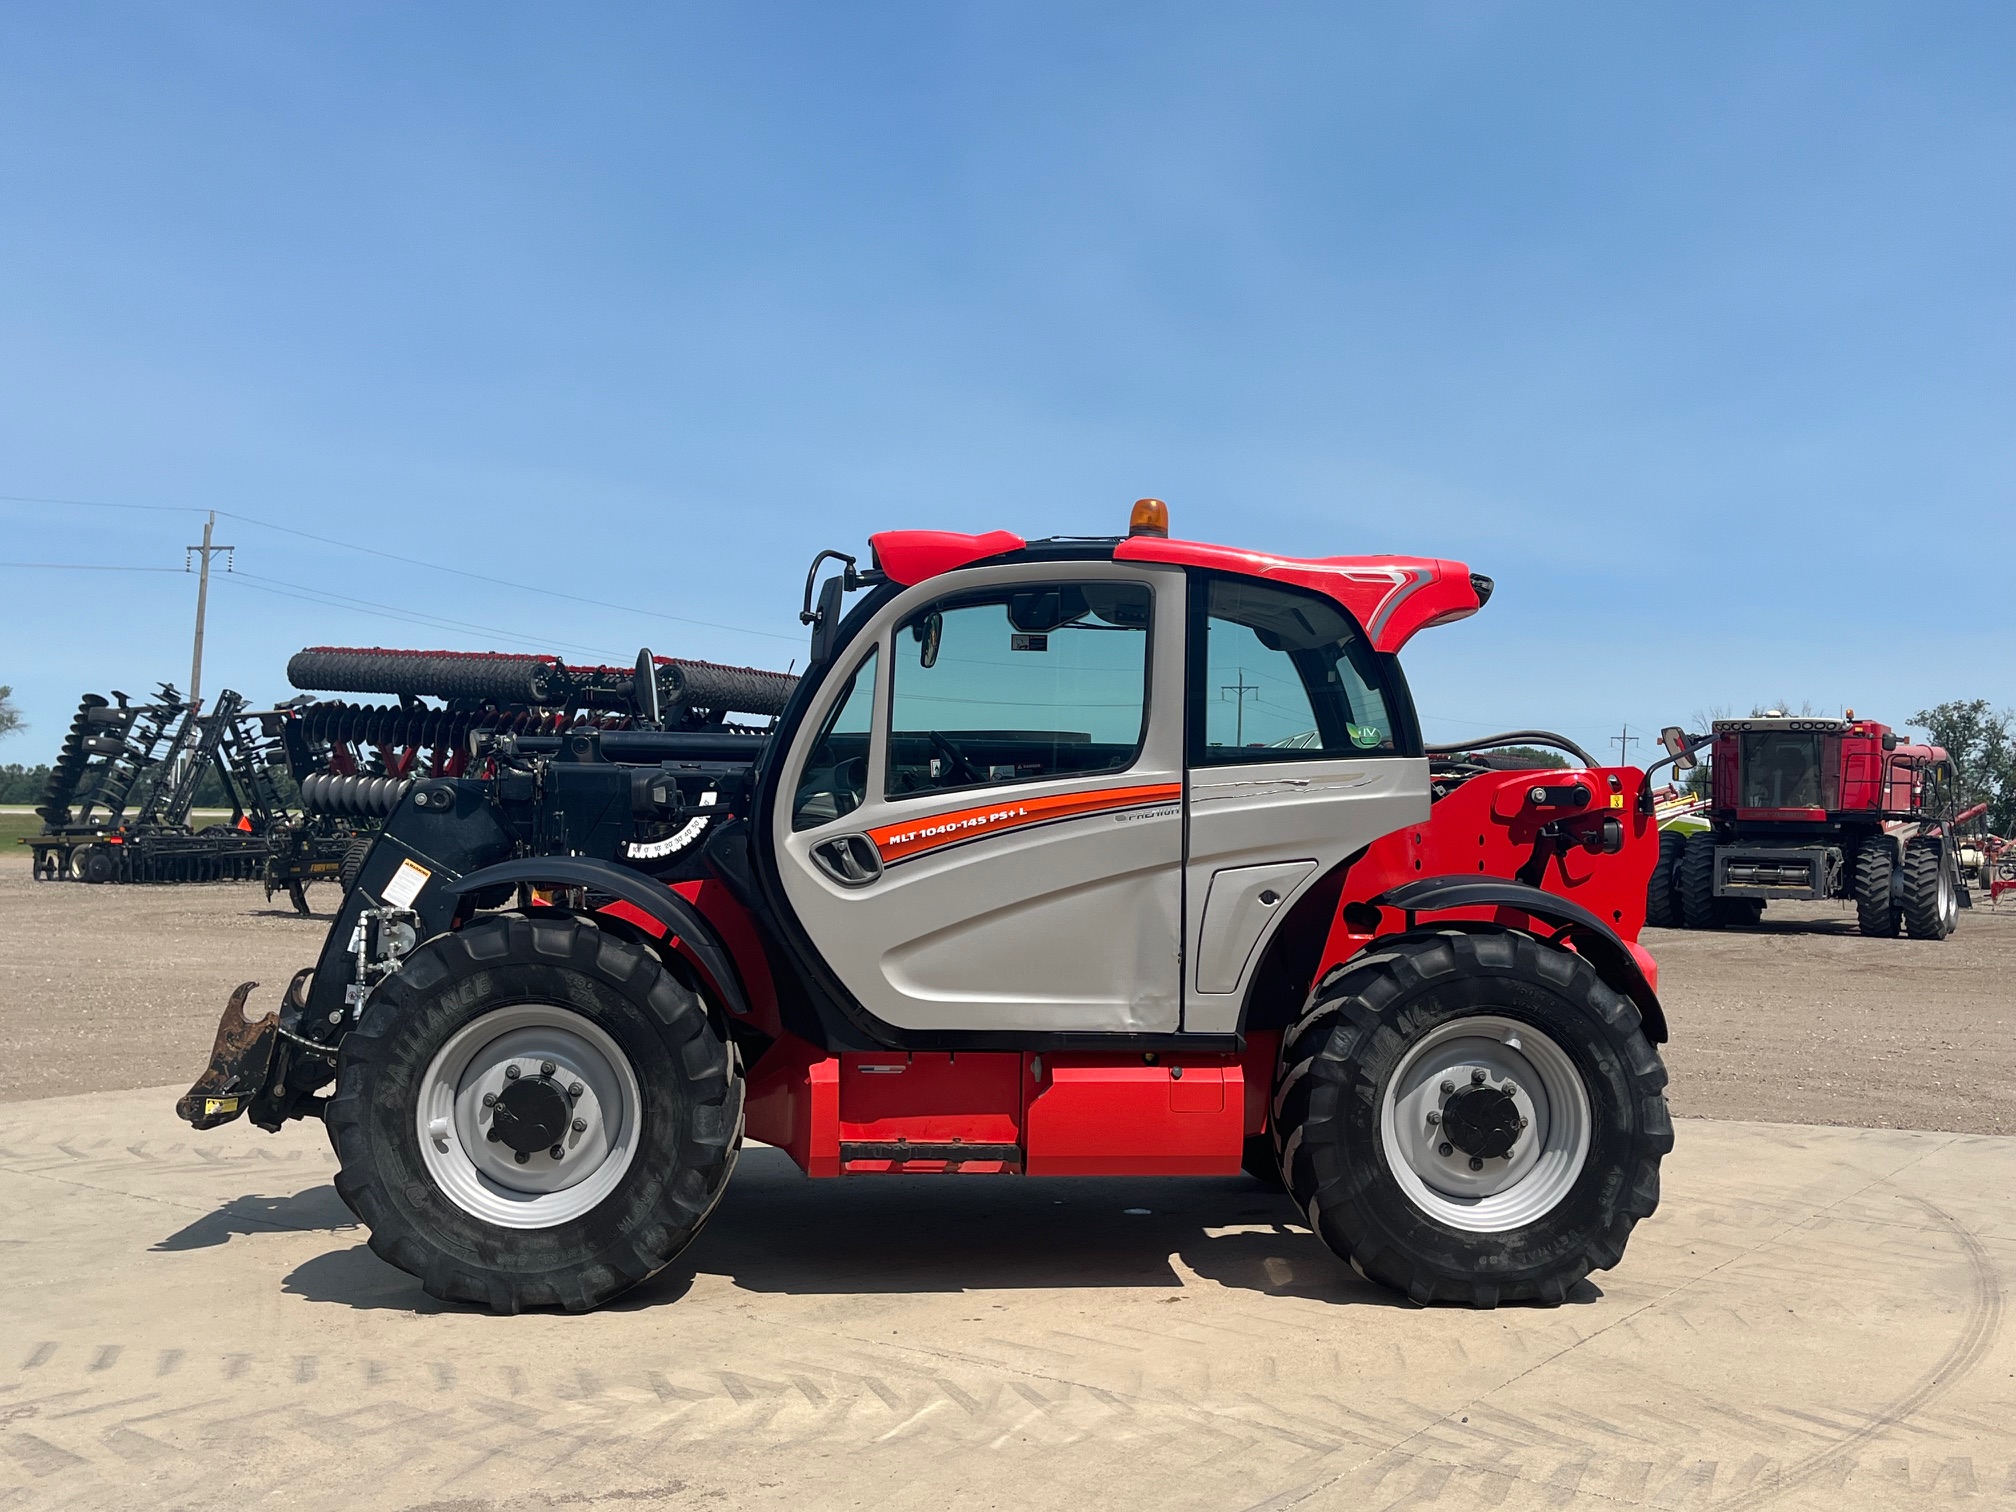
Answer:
(1287, 676)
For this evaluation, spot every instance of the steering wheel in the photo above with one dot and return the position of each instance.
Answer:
(961, 767)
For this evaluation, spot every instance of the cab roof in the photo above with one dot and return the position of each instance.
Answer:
(1393, 597)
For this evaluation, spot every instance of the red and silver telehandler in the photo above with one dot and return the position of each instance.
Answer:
(1075, 857)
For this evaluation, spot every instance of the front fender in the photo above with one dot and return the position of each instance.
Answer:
(1593, 938)
(653, 898)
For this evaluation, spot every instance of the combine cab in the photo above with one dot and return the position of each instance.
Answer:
(1078, 857)
(1809, 808)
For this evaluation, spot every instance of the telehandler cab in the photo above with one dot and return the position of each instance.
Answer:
(1112, 856)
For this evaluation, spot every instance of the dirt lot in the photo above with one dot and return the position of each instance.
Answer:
(1800, 1020)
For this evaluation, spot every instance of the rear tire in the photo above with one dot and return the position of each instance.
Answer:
(1931, 902)
(1697, 882)
(1875, 914)
(1578, 1139)
(599, 1033)
(1662, 907)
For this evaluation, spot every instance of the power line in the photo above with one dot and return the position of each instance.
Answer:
(311, 595)
(86, 567)
(393, 556)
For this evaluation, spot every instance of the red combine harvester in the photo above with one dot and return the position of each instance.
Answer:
(1806, 807)
(1114, 856)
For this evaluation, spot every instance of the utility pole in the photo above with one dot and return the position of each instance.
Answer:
(202, 602)
(1622, 741)
(1241, 688)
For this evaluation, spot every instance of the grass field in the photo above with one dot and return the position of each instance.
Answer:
(13, 825)
(17, 820)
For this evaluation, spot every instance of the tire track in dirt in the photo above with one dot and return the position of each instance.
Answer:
(1976, 1337)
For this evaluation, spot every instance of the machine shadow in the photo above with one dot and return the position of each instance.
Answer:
(777, 1232)
(316, 1208)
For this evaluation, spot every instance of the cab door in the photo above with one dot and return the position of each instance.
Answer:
(1302, 750)
(980, 824)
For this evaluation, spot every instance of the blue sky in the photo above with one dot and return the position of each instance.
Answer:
(1690, 325)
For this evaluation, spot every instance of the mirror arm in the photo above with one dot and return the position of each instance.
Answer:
(850, 580)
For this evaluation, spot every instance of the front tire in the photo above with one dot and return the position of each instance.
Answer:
(1931, 895)
(1662, 905)
(1472, 1117)
(1876, 913)
(534, 1112)
(1697, 882)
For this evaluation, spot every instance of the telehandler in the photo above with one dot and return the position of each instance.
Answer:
(1067, 857)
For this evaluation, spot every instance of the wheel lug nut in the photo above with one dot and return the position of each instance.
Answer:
(1476, 1164)
(1477, 1078)
(545, 1068)
(493, 1136)
(574, 1089)
(489, 1099)
(1434, 1117)
(1445, 1148)
(521, 1157)
(556, 1152)
(1522, 1123)
(1448, 1087)
(1508, 1088)
(580, 1126)
(510, 1073)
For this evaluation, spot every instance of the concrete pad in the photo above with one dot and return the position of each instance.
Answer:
(1816, 1319)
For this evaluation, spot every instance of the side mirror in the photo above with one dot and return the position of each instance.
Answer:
(1890, 741)
(1674, 739)
(826, 619)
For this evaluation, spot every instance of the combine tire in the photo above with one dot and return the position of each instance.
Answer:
(1696, 873)
(1662, 904)
(534, 1113)
(1875, 913)
(1472, 1116)
(1931, 896)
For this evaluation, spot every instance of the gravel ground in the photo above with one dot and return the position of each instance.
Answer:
(1799, 1020)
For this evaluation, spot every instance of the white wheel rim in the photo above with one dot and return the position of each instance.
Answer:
(1548, 1154)
(598, 1136)
(1949, 897)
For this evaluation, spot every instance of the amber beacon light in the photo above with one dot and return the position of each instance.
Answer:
(1150, 518)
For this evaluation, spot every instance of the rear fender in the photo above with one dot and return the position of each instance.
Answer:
(1614, 960)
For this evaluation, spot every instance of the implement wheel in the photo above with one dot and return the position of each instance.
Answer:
(1662, 902)
(534, 1112)
(1472, 1116)
(1876, 913)
(1931, 891)
(1696, 874)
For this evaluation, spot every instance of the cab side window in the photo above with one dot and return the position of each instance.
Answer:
(1019, 684)
(835, 779)
(1286, 676)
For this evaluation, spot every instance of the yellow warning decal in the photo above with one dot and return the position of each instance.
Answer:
(1616, 800)
(215, 1105)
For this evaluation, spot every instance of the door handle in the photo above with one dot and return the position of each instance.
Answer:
(850, 860)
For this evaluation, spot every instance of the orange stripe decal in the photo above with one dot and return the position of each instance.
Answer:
(899, 842)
